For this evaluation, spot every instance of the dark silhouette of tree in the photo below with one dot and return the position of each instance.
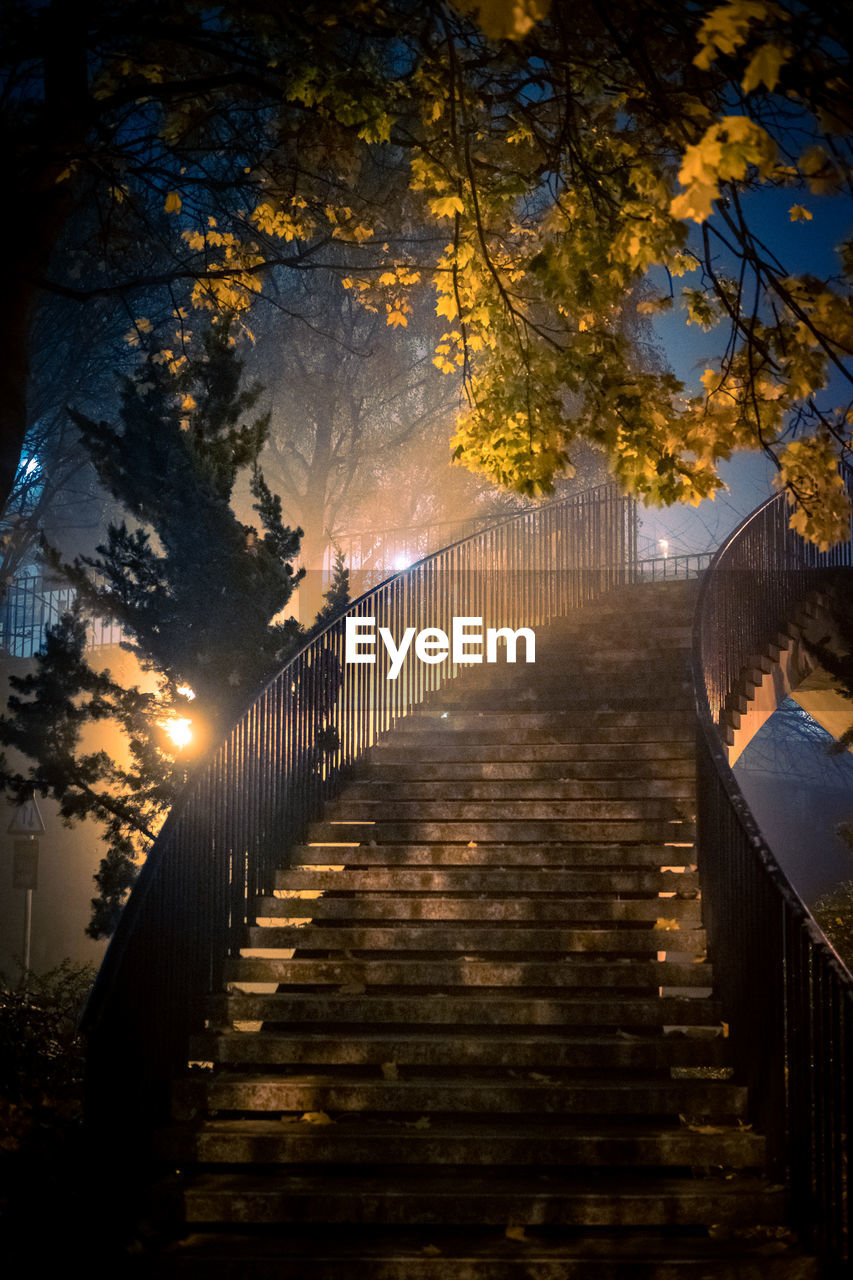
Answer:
(196, 591)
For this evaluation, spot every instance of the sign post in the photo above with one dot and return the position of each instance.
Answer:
(27, 825)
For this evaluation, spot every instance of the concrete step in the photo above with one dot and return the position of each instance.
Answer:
(610, 720)
(468, 1141)
(471, 1198)
(442, 1095)
(384, 771)
(602, 857)
(381, 790)
(512, 810)
(481, 1009)
(444, 749)
(466, 939)
(441, 1253)
(487, 879)
(542, 1050)
(437, 906)
(466, 972)
(517, 830)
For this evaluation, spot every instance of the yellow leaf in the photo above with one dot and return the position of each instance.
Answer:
(667, 925)
(515, 1233)
(173, 202)
(446, 306)
(316, 1117)
(798, 213)
(396, 318)
(764, 66)
(446, 206)
(389, 1071)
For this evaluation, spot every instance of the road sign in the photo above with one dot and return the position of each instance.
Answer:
(27, 820)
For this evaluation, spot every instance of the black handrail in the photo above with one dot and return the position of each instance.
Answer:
(222, 843)
(788, 997)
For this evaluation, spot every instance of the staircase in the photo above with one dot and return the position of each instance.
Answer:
(473, 1033)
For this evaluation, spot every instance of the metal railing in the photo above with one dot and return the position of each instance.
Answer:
(32, 604)
(788, 997)
(224, 840)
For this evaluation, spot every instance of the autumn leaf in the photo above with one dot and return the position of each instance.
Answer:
(172, 203)
(316, 1117)
(764, 67)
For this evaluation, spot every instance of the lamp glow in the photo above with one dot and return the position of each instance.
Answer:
(180, 731)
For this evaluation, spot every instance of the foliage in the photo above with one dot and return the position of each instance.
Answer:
(834, 913)
(337, 597)
(538, 166)
(195, 590)
(41, 1056)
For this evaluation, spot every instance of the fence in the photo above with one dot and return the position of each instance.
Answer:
(30, 605)
(789, 1000)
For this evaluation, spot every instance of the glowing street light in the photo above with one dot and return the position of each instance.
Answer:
(402, 561)
(664, 546)
(180, 731)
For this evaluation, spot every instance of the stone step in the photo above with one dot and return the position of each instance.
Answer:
(553, 810)
(486, 879)
(471, 1198)
(444, 749)
(380, 790)
(465, 972)
(465, 939)
(602, 858)
(540, 1050)
(256, 1092)
(610, 720)
(436, 906)
(643, 694)
(465, 1142)
(517, 1010)
(518, 831)
(436, 1253)
(620, 769)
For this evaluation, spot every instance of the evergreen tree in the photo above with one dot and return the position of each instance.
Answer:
(337, 597)
(195, 590)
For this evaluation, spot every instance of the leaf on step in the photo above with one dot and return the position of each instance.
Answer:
(515, 1233)
(725, 1027)
(316, 1117)
(707, 1128)
(389, 1071)
(472, 844)
(626, 1035)
(667, 926)
(423, 1123)
(431, 1251)
(352, 989)
(537, 1075)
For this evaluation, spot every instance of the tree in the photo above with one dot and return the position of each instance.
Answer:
(337, 597)
(537, 167)
(196, 592)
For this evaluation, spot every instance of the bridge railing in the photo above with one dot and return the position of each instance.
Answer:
(230, 831)
(788, 997)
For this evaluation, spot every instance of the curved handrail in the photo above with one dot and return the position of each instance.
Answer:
(220, 847)
(788, 996)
